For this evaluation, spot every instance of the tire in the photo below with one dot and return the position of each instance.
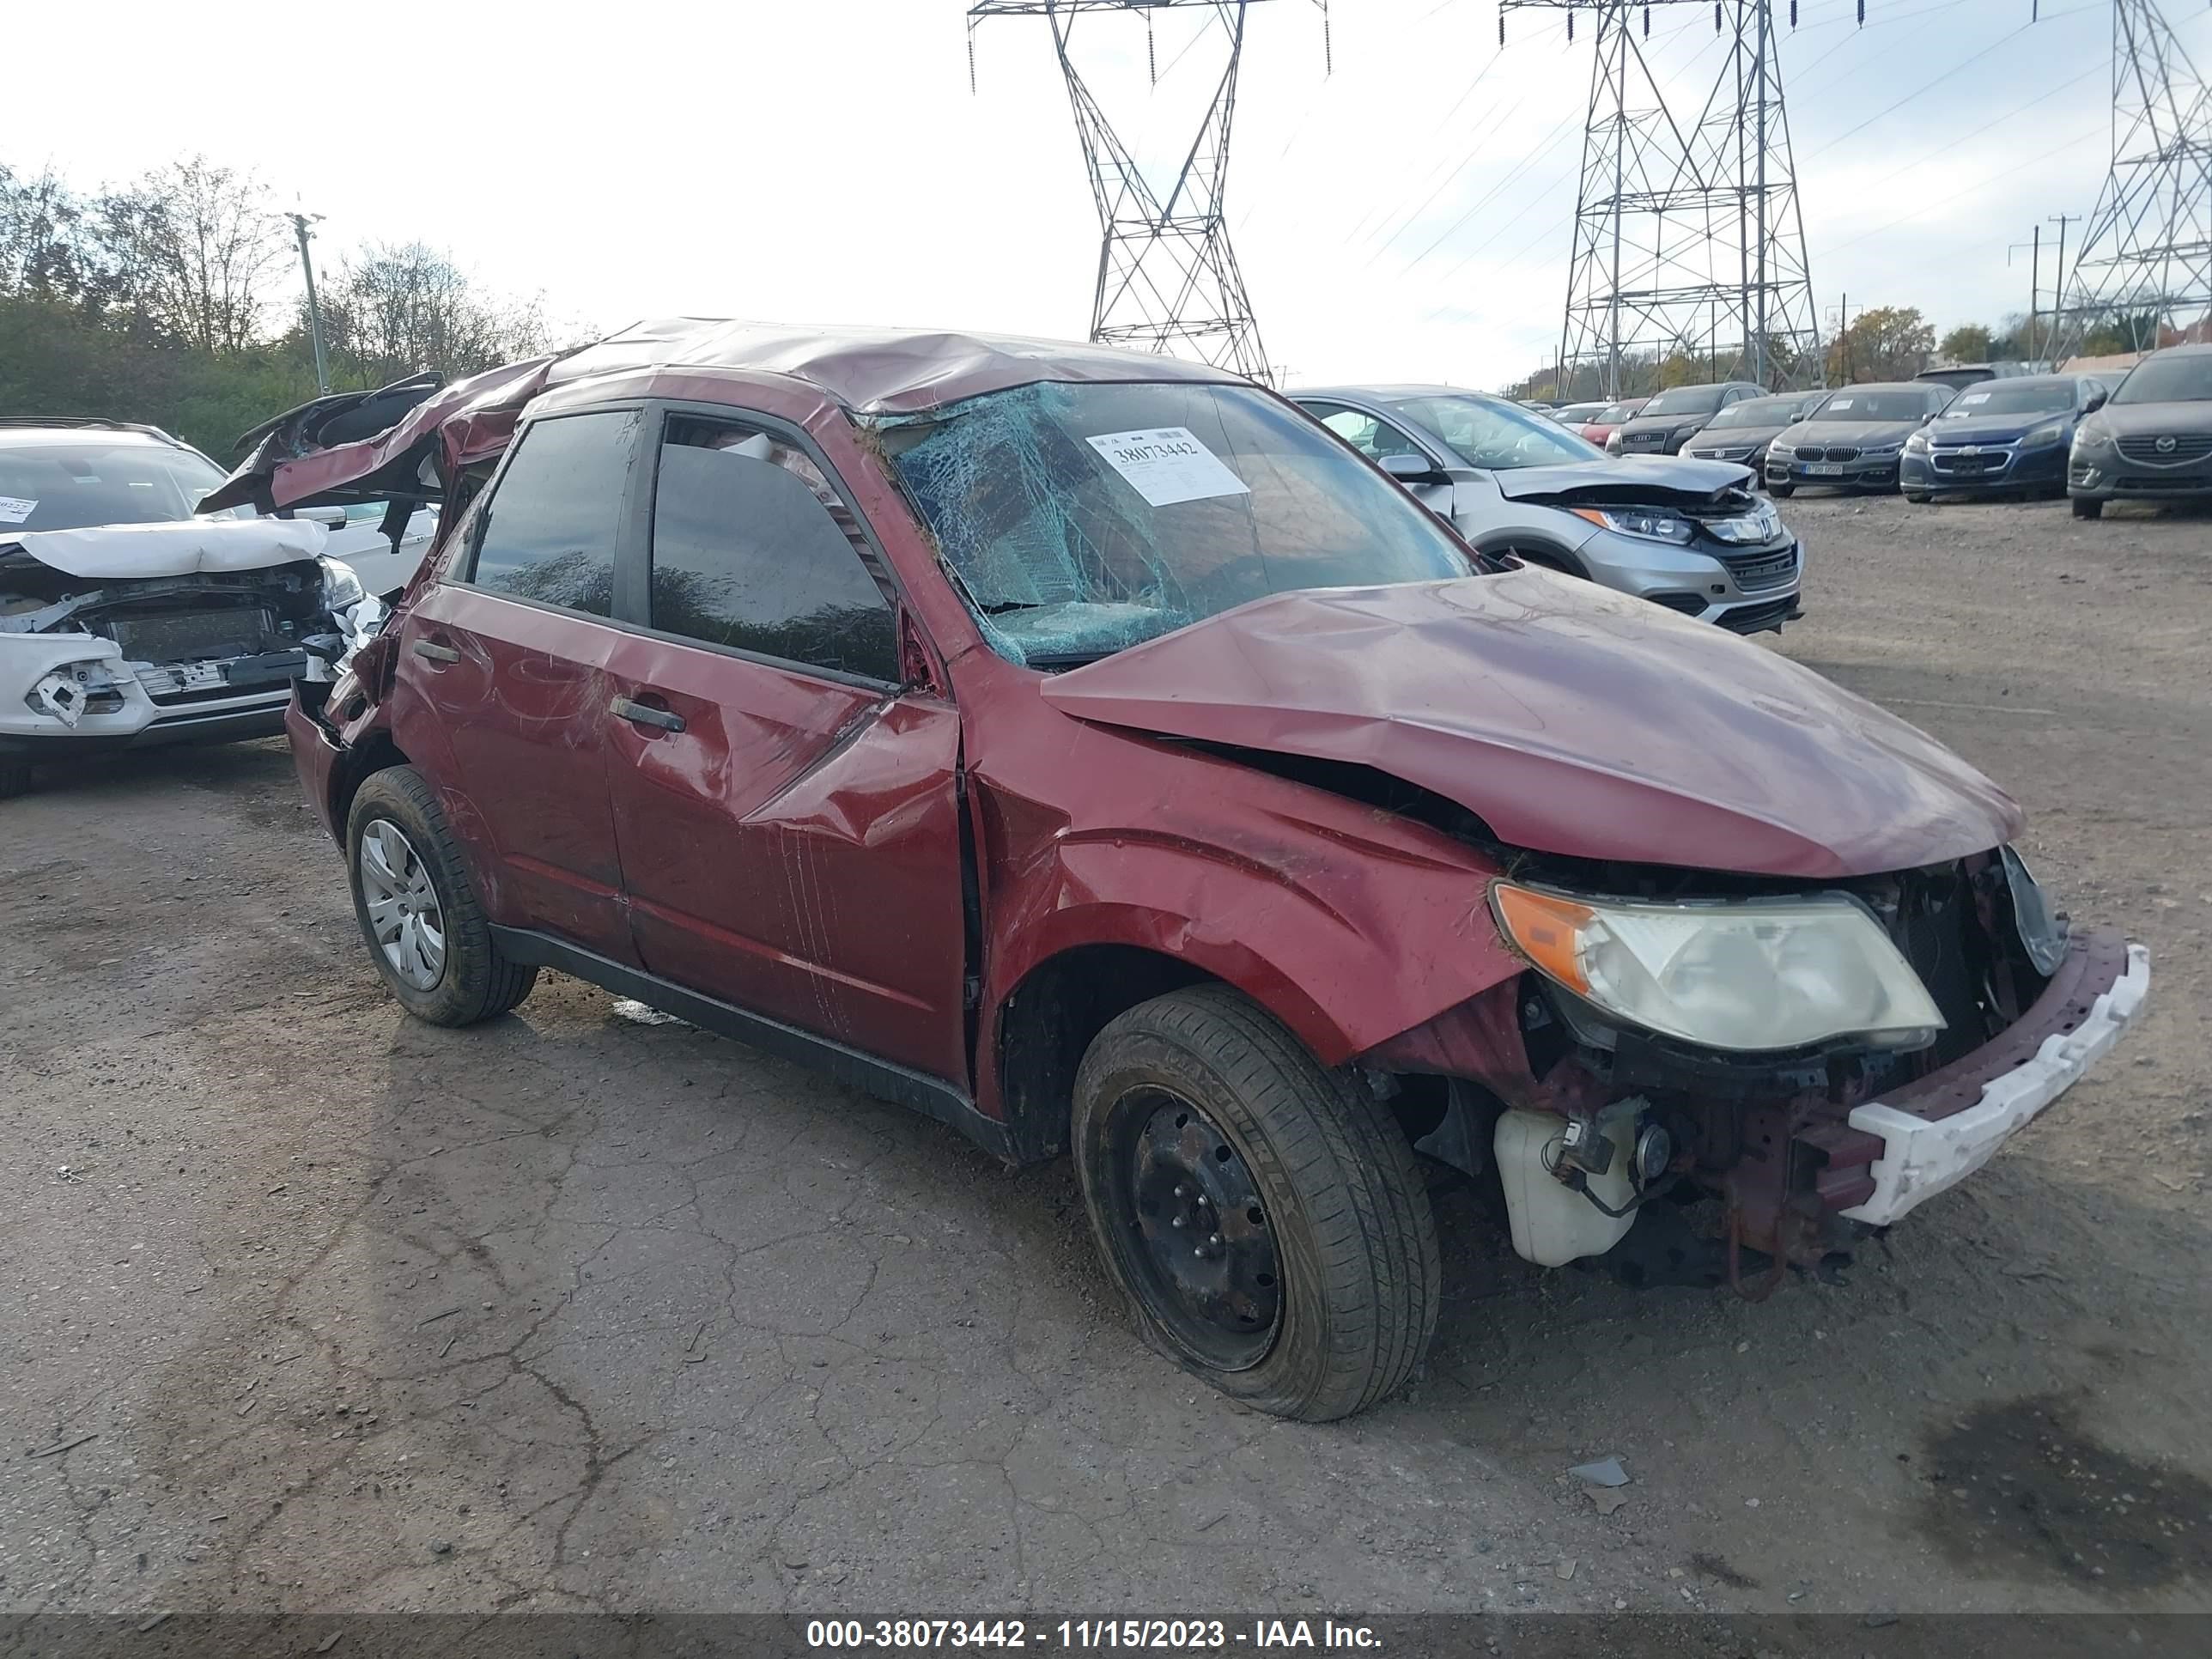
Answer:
(471, 981)
(1332, 1197)
(1918, 498)
(1782, 492)
(2088, 509)
(14, 778)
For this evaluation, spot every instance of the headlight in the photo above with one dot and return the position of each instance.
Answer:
(341, 587)
(1653, 523)
(2091, 435)
(1746, 975)
(1881, 451)
(2044, 435)
(1612, 441)
(1761, 524)
(1916, 444)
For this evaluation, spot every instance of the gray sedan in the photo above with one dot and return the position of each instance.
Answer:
(1852, 440)
(1693, 536)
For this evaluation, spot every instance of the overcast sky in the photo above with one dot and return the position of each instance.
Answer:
(823, 159)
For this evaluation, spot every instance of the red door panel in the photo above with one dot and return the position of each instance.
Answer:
(504, 705)
(795, 850)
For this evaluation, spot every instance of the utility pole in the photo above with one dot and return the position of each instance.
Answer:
(299, 223)
(1166, 277)
(1844, 333)
(1688, 233)
(2034, 282)
(2059, 286)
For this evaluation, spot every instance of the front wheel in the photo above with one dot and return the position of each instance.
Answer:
(1782, 492)
(14, 778)
(1264, 1215)
(2088, 509)
(1918, 498)
(417, 908)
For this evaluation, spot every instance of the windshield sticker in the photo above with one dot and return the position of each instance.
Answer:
(1167, 465)
(1840, 403)
(1975, 397)
(13, 509)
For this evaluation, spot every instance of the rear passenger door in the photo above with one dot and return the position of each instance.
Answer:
(501, 670)
(787, 813)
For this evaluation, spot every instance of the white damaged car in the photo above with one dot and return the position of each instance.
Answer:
(125, 620)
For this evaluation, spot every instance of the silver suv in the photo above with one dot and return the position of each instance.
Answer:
(1693, 536)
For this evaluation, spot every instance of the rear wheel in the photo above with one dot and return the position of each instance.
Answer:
(417, 908)
(1264, 1215)
(2088, 509)
(14, 778)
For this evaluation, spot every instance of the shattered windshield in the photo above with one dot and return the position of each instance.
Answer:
(76, 485)
(1083, 520)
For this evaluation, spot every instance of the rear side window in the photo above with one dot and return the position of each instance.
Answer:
(548, 533)
(754, 551)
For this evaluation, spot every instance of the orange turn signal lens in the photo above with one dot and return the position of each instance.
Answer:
(1596, 515)
(1547, 929)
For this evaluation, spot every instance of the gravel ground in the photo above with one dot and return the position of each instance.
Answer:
(336, 1311)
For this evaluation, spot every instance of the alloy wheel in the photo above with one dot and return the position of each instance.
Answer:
(404, 916)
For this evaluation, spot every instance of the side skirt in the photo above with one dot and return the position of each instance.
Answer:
(930, 1096)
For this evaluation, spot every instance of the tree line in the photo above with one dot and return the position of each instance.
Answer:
(177, 299)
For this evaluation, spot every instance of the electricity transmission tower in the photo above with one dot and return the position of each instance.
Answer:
(1688, 238)
(2146, 258)
(1167, 276)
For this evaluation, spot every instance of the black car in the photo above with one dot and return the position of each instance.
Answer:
(1852, 439)
(1742, 431)
(2152, 441)
(1672, 417)
(1999, 435)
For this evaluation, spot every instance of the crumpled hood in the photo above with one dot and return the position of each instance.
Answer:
(1658, 476)
(131, 552)
(1573, 721)
(1844, 435)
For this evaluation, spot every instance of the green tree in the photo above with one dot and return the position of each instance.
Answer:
(1889, 343)
(1968, 344)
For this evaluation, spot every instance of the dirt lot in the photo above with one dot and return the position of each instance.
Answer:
(575, 1312)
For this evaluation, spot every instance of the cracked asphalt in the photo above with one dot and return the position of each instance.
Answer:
(309, 1307)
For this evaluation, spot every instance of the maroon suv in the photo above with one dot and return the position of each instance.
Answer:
(1091, 751)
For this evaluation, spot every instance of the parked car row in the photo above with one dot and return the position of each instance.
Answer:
(1091, 751)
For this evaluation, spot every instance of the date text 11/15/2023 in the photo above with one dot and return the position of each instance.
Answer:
(1087, 1634)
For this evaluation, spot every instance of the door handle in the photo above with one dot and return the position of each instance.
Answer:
(436, 653)
(644, 713)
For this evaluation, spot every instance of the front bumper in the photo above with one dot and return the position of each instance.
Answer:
(1862, 473)
(111, 705)
(2110, 477)
(1993, 467)
(1940, 1129)
(1747, 589)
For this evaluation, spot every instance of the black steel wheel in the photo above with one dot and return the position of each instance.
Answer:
(1210, 1272)
(1264, 1214)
